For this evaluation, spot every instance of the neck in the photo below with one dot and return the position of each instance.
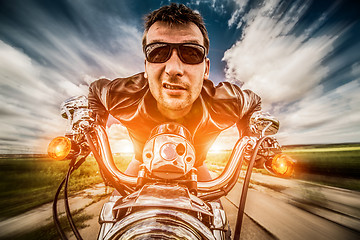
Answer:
(175, 115)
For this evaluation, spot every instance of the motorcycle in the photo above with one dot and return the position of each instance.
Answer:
(165, 200)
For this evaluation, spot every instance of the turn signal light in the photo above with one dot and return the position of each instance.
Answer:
(59, 148)
(283, 165)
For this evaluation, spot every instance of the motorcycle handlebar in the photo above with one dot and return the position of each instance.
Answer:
(103, 156)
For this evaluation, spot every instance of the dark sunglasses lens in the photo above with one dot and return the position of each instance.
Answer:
(157, 53)
(192, 54)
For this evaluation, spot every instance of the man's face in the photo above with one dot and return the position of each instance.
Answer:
(174, 84)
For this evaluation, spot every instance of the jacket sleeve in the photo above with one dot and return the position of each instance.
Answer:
(98, 94)
(248, 103)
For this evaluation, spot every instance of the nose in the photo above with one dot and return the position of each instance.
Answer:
(174, 66)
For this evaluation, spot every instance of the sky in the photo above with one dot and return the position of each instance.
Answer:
(301, 57)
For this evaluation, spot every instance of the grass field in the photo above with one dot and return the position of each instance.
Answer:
(341, 161)
(334, 165)
(29, 182)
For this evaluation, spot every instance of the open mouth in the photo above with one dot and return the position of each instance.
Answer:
(173, 86)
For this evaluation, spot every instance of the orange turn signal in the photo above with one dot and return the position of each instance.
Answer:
(283, 165)
(59, 148)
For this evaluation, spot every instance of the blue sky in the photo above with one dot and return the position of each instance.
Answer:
(301, 57)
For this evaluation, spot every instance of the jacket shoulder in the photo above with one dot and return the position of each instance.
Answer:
(119, 93)
(128, 85)
(230, 97)
(223, 91)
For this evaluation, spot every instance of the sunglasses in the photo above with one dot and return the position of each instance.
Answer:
(189, 53)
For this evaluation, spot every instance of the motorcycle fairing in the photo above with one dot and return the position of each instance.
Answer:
(163, 195)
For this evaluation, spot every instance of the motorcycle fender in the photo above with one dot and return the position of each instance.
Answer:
(140, 224)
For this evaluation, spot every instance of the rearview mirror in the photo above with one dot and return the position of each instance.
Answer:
(263, 123)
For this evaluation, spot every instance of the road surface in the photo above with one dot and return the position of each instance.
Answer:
(283, 218)
(275, 209)
(277, 214)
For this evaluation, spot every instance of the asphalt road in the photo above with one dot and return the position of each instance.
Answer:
(250, 229)
(272, 212)
(283, 219)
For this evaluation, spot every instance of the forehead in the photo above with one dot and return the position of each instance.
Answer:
(177, 33)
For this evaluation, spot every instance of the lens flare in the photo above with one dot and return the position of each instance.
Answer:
(283, 165)
(59, 148)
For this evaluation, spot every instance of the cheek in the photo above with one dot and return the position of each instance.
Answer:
(154, 84)
(154, 87)
(153, 72)
(198, 88)
(153, 75)
(198, 79)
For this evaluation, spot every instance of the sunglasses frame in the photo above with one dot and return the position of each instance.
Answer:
(177, 47)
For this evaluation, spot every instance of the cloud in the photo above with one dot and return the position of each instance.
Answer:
(271, 61)
(238, 13)
(320, 117)
(54, 58)
(26, 103)
(315, 101)
(323, 117)
(216, 6)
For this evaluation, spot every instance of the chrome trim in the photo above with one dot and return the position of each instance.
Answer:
(68, 107)
(106, 217)
(160, 195)
(218, 183)
(263, 123)
(77, 113)
(219, 222)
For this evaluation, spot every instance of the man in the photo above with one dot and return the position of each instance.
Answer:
(174, 87)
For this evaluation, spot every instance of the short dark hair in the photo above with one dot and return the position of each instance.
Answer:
(176, 14)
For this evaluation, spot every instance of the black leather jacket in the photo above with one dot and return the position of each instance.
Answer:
(129, 100)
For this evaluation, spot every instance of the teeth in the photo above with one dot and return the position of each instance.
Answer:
(172, 87)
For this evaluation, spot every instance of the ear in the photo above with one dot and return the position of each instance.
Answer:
(145, 72)
(207, 68)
